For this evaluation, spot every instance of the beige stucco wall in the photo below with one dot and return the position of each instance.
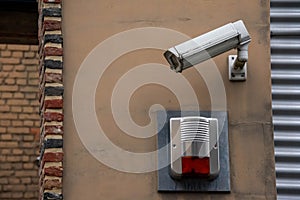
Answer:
(87, 23)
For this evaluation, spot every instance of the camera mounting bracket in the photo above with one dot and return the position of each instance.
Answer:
(236, 74)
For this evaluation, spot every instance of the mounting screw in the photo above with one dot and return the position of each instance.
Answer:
(236, 74)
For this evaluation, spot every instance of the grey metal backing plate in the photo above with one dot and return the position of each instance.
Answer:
(166, 183)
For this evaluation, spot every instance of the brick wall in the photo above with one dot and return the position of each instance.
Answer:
(51, 100)
(19, 122)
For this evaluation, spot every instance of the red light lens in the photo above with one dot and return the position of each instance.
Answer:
(195, 166)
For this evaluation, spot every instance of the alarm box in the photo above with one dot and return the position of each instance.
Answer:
(194, 147)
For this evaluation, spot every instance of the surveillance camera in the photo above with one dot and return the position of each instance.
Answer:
(209, 45)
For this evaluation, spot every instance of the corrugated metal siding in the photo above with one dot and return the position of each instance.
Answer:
(285, 59)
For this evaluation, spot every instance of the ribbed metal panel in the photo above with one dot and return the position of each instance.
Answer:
(285, 59)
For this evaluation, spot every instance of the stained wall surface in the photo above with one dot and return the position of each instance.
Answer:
(88, 23)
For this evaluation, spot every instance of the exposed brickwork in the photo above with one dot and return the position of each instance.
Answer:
(53, 171)
(53, 51)
(19, 122)
(53, 130)
(52, 1)
(51, 99)
(54, 103)
(50, 25)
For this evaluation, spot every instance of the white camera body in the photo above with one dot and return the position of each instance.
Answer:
(209, 45)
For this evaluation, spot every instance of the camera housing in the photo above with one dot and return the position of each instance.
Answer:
(209, 45)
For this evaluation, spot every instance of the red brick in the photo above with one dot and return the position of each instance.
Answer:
(31, 61)
(28, 109)
(2, 159)
(7, 188)
(9, 74)
(17, 151)
(35, 180)
(10, 81)
(17, 54)
(54, 130)
(3, 46)
(29, 123)
(20, 68)
(30, 152)
(53, 51)
(18, 130)
(14, 158)
(29, 195)
(53, 78)
(33, 75)
(34, 48)
(7, 68)
(21, 81)
(14, 180)
(7, 144)
(8, 116)
(6, 137)
(9, 60)
(3, 181)
(53, 157)
(26, 180)
(20, 111)
(53, 171)
(4, 108)
(17, 165)
(54, 103)
(35, 103)
(17, 102)
(7, 166)
(17, 195)
(27, 145)
(15, 74)
(17, 123)
(17, 137)
(6, 95)
(34, 82)
(32, 187)
(31, 68)
(10, 88)
(28, 137)
(18, 47)
(6, 151)
(5, 195)
(29, 54)
(35, 131)
(5, 123)
(6, 173)
(51, 184)
(16, 187)
(29, 116)
(16, 109)
(5, 53)
(31, 96)
(28, 166)
(2, 129)
(52, 25)
(51, 116)
(26, 173)
(3, 74)
(52, 1)
(29, 89)
(19, 95)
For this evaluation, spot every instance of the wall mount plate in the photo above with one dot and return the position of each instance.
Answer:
(165, 182)
(236, 74)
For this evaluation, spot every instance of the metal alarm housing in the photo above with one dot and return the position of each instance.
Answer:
(194, 147)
